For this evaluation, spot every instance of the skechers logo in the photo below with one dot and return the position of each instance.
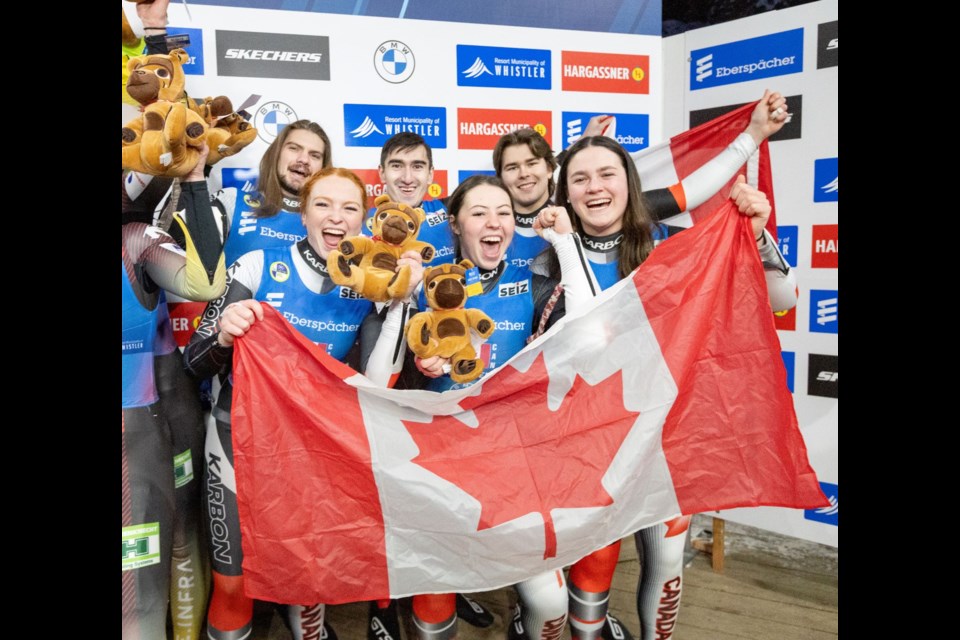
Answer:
(278, 56)
(828, 41)
(273, 55)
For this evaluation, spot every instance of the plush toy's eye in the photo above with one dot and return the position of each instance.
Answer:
(463, 282)
(432, 285)
(411, 226)
(383, 216)
(161, 72)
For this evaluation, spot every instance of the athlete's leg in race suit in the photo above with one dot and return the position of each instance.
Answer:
(231, 612)
(435, 616)
(190, 582)
(542, 610)
(146, 522)
(660, 549)
(589, 586)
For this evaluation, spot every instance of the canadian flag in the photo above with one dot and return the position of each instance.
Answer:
(670, 162)
(667, 397)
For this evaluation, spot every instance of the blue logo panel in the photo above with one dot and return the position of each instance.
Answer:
(787, 242)
(194, 67)
(776, 54)
(824, 311)
(463, 174)
(827, 515)
(371, 125)
(789, 361)
(826, 180)
(633, 129)
(503, 67)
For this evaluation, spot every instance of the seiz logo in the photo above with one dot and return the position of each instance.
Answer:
(826, 246)
(824, 311)
(605, 72)
(828, 44)
(792, 130)
(776, 54)
(507, 289)
(371, 125)
(633, 129)
(503, 67)
(273, 55)
(829, 514)
(349, 294)
(823, 373)
(826, 180)
(789, 363)
(371, 178)
(481, 128)
(193, 47)
(787, 243)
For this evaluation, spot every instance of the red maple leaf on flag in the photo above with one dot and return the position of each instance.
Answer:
(524, 457)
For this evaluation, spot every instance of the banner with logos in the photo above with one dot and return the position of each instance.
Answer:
(796, 52)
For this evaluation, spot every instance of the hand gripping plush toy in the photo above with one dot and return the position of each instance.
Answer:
(445, 329)
(368, 265)
(166, 139)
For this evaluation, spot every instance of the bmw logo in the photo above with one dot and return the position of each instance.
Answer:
(394, 61)
(271, 118)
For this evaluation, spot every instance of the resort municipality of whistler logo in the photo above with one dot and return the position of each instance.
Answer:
(504, 67)
(394, 61)
(371, 125)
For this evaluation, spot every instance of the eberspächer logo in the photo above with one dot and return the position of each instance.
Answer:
(271, 118)
(371, 125)
(824, 311)
(394, 61)
(633, 129)
(776, 54)
(503, 67)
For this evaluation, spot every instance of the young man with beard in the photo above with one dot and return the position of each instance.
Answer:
(270, 217)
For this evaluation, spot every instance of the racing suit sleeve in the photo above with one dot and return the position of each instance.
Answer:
(386, 357)
(781, 280)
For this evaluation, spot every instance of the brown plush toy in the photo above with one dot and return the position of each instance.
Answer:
(445, 329)
(368, 265)
(166, 139)
(228, 132)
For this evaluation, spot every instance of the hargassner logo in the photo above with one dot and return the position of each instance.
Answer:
(824, 311)
(503, 67)
(481, 128)
(828, 44)
(633, 129)
(825, 246)
(792, 130)
(193, 46)
(371, 125)
(826, 180)
(273, 55)
(605, 72)
(830, 514)
(776, 54)
(823, 375)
